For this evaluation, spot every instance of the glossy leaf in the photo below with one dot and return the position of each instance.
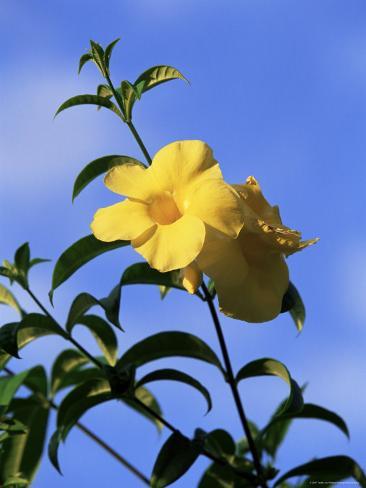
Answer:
(80, 253)
(21, 454)
(169, 344)
(108, 52)
(22, 257)
(98, 167)
(89, 100)
(129, 96)
(175, 458)
(67, 361)
(272, 367)
(35, 261)
(218, 476)
(155, 76)
(35, 378)
(16, 334)
(220, 443)
(104, 91)
(7, 298)
(146, 397)
(79, 400)
(103, 334)
(53, 445)
(273, 434)
(328, 469)
(175, 375)
(83, 60)
(98, 56)
(293, 303)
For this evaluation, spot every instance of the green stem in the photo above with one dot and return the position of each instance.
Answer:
(97, 440)
(129, 122)
(68, 336)
(233, 385)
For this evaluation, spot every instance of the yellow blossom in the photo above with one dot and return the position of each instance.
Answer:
(170, 206)
(250, 272)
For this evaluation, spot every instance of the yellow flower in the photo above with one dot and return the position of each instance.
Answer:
(250, 272)
(170, 206)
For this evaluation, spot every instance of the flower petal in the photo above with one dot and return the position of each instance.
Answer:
(221, 259)
(192, 277)
(172, 246)
(125, 220)
(259, 297)
(181, 162)
(131, 180)
(217, 204)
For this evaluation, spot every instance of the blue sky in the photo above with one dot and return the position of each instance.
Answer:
(278, 89)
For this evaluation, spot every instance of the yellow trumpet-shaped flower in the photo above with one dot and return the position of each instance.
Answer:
(250, 272)
(170, 206)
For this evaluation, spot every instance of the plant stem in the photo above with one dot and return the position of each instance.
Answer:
(67, 335)
(206, 453)
(129, 122)
(98, 440)
(233, 385)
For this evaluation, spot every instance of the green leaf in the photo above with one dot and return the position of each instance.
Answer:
(155, 76)
(218, 476)
(35, 261)
(84, 301)
(79, 400)
(104, 91)
(98, 57)
(220, 443)
(35, 378)
(293, 303)
(8, 298)
(21, 454)
(80, 253)
(67, 361)
(89, 100)
(242, 446)
(272, 367)
(169, 344)
(175, 375)
(274, 432)
(83, 60)
(15, 335)
(328, 469)
(175, 458)
(53, 445)
(108, 52)
(97, 167)
(103, 334)
(146, 397)
(129, 96)
(22, 257)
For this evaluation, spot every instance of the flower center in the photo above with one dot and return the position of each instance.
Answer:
(164, 209)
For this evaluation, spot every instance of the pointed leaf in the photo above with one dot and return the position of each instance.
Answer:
(104, 91)
(98, 167)
(103, 334)
(21, 454)
(84, 301)
(89, 100)
(8, 298)
(146, 397)
(155, 76)
(175, 375)
(108, 52)
(220, 443)
(79, 400)
(53, 445)
(35, 261)
(169, 344)
(129, 96)
(293, 303)
(175, 458)
(98, 56)
(67, 361)
(83, 60)
(80, 253)
(22, 257)
(328, 469)
(272, 367)
(273, 433)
